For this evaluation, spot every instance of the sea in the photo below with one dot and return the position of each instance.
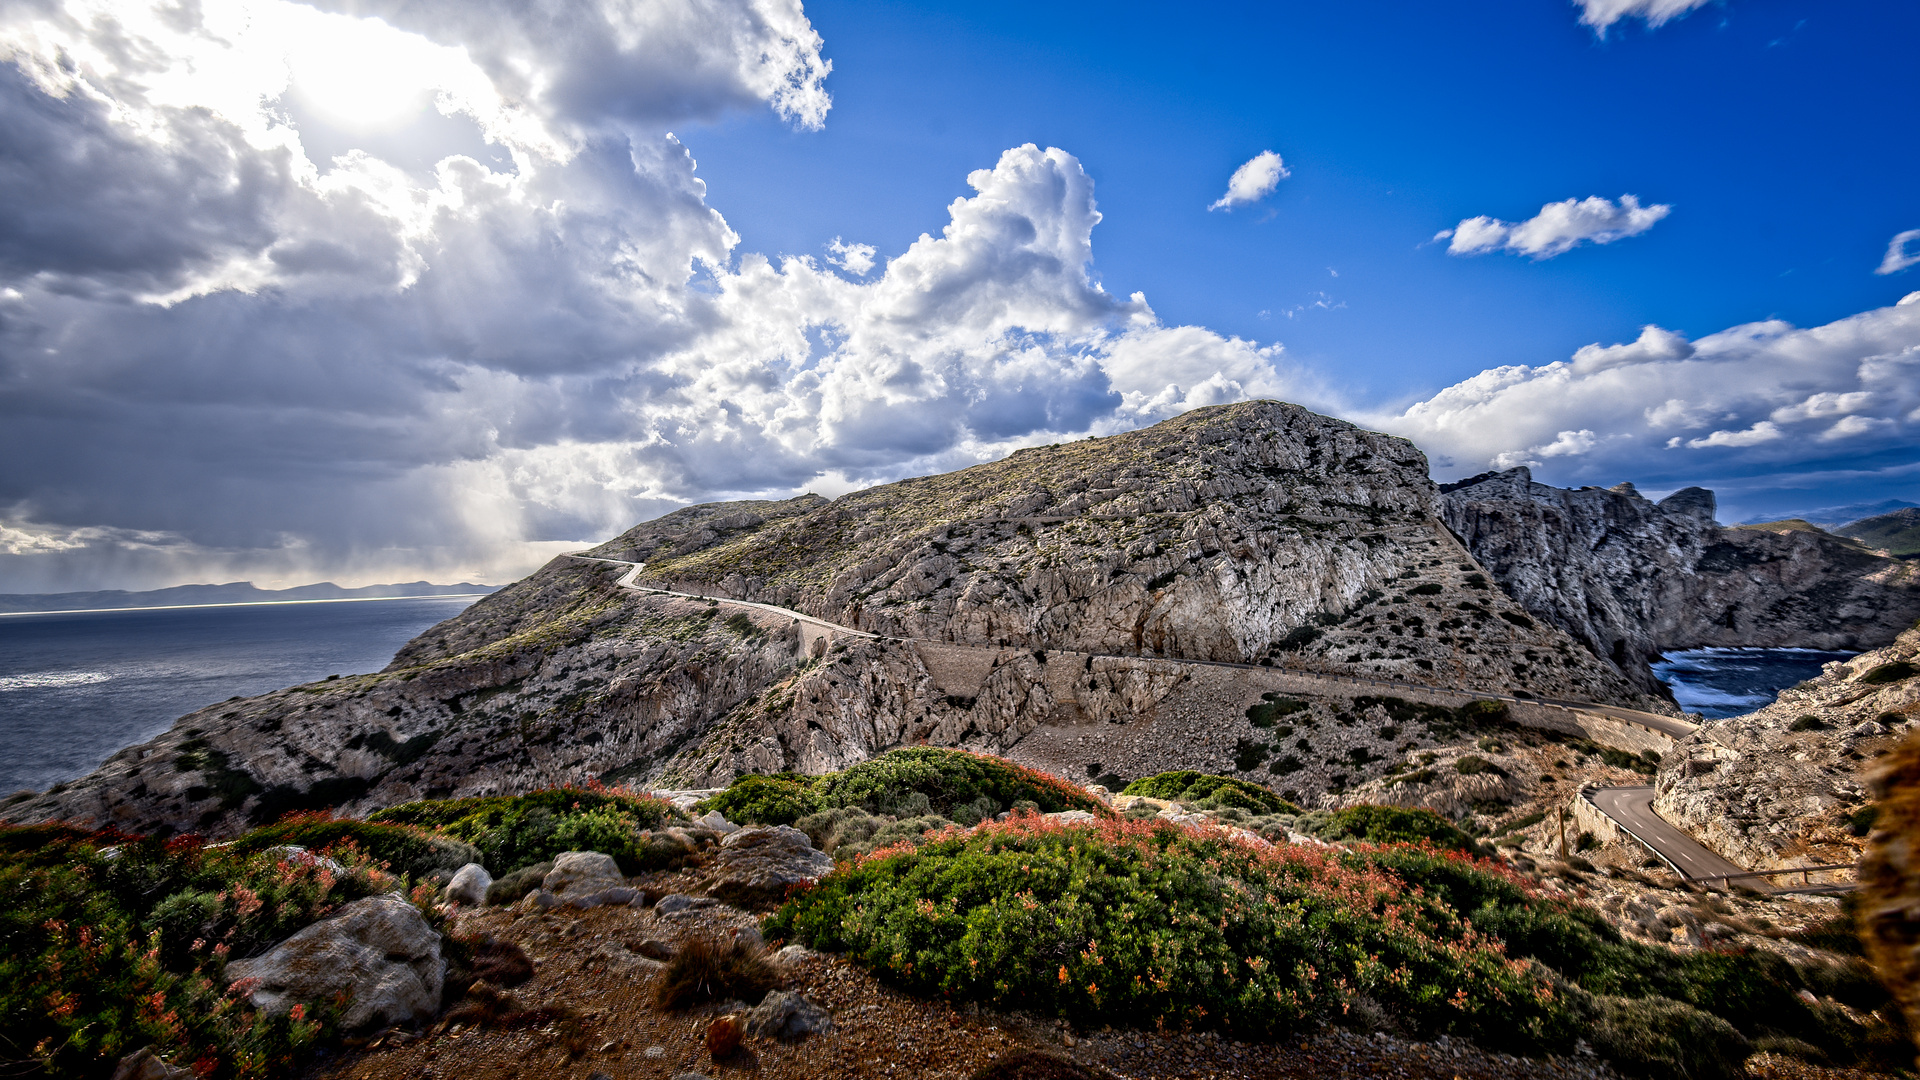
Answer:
(1727, 682)
(75, 688)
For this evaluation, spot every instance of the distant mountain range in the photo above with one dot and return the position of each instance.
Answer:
(235, 592)
(1897, 533)
(1828, 517)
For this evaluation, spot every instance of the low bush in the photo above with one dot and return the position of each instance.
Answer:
(1808, 722)
(1385, 825)
(707, 969)
(409, 850)
(1667, 1040)
(1271, 708)
(948, 781)
(780, 799)
(110, 943)
(510, 887)
(1144, 923)
(513, 831)
(1204, 791)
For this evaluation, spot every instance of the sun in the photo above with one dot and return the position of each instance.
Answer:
(362, 74)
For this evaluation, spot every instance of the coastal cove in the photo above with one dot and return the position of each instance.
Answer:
(76, 687)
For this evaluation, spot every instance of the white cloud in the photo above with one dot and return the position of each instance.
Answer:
(1601, 14)
(855, 259)
(1556, 229)
(276, 367)
(1762, 399)
(1763, 432)
(1253, 181)
(1898, 256)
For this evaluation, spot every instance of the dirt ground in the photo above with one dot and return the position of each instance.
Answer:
(590, 1010)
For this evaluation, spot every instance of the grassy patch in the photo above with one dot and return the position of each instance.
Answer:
(1203, 791)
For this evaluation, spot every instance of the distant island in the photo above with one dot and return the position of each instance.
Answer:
(234, 592)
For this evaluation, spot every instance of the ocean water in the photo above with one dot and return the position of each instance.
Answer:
(76, 688)
(1728, 682)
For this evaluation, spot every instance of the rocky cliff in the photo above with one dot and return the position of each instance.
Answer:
(1787, 785)
(1067, 585)
(1631, 578)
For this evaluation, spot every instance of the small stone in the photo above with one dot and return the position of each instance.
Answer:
(793, 954)
(147, 1064)
(723, 1036)
(469, 885)
(653, 949)
(786, 1015)
(690, 1076)
(678, 902)
(655, 1052)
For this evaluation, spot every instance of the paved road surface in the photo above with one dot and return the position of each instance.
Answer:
(1632, 807)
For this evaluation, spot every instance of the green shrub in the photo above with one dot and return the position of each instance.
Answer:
(512, 831)
(509, 888)
(1144, 923)
(781, 799)
(1385, 825)
(1667, 1040)
(1204, 791)
(1473, 765)
(1426, 588)
(1808, 722)
(947, 781)
(1271, 708)
(408, 850)
(1889, 673)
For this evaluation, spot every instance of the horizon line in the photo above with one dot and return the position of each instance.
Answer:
(245, 603)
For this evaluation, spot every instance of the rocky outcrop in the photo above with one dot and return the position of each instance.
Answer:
(1631, 578)
(379, 952)
(1786, 785)
(1063, 585)
(758, 865)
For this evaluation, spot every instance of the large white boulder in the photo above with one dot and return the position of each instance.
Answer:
(469, 885)
(379, 951)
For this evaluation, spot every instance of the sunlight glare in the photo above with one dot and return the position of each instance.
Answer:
(361, 73)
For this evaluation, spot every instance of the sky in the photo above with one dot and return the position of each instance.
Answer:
(380, 290)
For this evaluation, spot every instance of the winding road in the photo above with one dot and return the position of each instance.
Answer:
(1632, 809)
(1629, 807)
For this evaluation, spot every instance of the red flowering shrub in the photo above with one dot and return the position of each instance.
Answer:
(1147, 923)
(108, 944)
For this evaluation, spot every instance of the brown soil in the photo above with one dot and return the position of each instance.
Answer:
(590, 1009)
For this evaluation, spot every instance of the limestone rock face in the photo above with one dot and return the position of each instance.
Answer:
(1630, 577)
(379, 951)
(758, 864)
(1779, 786)
(1064, 585)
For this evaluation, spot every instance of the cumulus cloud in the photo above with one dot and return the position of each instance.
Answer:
(1601, 14)
(1899, 257)
(221, 357)
(1557, 228)
(855, 259)
(1762, 400)
(1253, 181)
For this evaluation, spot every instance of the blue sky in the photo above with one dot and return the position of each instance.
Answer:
(387, 289)
(1775, 129)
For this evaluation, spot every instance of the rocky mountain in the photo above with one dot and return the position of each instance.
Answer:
(1089, 583)
(1632, 578)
